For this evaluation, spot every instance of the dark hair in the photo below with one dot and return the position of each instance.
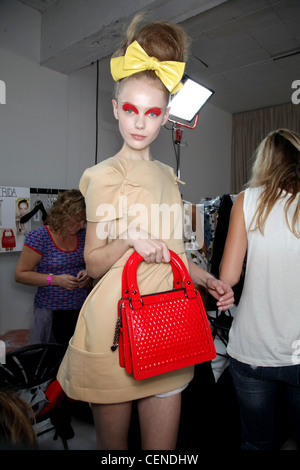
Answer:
(22, 201)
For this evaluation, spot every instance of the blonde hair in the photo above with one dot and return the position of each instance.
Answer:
(159, 39)
(69, 204)
(277, 169)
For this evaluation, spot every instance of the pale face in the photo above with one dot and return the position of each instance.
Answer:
(141, 110)
(23, 208)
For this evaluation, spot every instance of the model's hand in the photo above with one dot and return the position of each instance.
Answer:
(151, 249)
(221, 291)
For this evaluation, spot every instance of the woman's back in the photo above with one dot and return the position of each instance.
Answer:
(267, 321)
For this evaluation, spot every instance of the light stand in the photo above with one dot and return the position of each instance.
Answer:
(184, 111)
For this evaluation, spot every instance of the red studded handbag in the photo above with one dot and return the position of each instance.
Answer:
(162, 332)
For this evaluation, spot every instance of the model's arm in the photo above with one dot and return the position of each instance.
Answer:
(220, 290)
(26, 274)
(236, 244)
(100, 255)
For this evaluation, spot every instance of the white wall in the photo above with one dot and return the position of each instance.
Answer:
(47, 135)
(47, 132)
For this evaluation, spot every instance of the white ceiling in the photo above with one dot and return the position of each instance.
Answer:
(247, 51)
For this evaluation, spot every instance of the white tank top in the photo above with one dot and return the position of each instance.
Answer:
(266, 327)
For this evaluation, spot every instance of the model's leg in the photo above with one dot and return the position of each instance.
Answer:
(159, 421)
(112, 425)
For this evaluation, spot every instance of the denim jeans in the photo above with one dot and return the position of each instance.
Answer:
(257, 392)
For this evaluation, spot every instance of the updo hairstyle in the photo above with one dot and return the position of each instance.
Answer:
(160, 39)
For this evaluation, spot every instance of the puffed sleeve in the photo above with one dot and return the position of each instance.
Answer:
(103, 187)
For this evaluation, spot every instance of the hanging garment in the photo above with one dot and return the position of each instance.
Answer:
(38, 206)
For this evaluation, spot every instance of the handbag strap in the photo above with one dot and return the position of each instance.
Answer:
(129, 278)
(177, 281)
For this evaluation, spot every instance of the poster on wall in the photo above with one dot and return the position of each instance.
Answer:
(14, 204)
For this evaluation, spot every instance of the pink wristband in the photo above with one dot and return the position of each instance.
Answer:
(49, 279)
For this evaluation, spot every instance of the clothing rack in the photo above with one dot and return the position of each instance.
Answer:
(42, 200)
(45, 191)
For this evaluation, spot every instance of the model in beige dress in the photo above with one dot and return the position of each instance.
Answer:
(91, 370)
(133, 203)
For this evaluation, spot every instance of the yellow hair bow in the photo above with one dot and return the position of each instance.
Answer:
(137, 60)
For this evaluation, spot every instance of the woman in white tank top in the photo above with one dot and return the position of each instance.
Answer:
(264, 341)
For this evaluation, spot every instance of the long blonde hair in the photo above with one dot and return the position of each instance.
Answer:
(277, 169)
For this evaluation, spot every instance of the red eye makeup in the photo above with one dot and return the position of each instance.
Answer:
(156, 111)
(130, 107)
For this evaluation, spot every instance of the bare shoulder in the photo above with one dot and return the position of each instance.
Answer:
(239, 200)
(238, 205)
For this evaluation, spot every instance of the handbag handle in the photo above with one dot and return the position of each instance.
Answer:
(129, 278)
(177, 281)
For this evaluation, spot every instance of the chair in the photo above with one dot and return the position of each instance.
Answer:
(31, 371)
(221, 324)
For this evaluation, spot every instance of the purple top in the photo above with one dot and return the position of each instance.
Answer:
(57, 261)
